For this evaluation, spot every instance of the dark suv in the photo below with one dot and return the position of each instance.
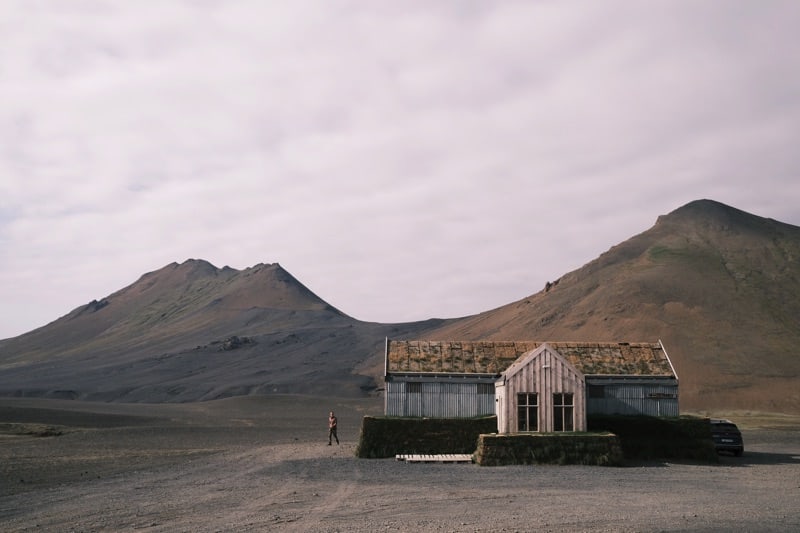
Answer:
(726, 436)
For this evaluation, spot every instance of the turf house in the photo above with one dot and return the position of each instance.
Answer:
(530, 386)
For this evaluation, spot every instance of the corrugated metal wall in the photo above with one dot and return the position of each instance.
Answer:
(439, 399)
(652, 399)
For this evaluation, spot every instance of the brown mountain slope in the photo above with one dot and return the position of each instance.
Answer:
(719, 286)
(178, 301)
(170, 337)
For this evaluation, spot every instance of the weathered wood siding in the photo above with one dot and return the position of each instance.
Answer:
(545, 373)
(439, 399)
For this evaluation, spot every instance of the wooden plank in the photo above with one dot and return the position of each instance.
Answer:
(437, 458)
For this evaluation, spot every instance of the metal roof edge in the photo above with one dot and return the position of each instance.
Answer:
(636, 376)
(386, 357)
(470, 374)
(674, 373)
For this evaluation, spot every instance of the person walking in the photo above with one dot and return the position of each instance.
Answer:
(332, 422)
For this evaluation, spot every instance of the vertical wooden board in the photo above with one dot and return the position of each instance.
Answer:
(558, 374)
(545, 420)
(501, 410)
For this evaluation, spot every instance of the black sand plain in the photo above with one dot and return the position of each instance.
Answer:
(262, 463)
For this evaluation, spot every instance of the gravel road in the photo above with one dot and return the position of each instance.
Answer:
(263, 464)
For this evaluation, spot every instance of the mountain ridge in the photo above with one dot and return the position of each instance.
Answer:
(191, 331)
(719, 286)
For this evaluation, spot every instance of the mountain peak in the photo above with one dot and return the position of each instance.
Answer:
(720, 286)
(706, 210)
(712, 215)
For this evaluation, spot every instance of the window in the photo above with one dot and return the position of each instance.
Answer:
(527, 411)
(563, 412)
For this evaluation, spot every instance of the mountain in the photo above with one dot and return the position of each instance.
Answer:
(192, 331)
(720, 287)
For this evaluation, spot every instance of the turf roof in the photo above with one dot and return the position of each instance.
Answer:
(494, 357)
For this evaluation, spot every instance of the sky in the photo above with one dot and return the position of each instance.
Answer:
(402, 159)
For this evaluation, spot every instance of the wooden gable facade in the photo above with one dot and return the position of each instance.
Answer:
(541, 391)
(530, 386)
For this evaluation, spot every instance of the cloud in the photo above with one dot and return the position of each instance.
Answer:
(403, 160)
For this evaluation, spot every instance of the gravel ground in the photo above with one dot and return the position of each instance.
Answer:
(263, 464)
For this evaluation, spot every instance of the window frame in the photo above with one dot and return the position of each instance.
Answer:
(524, 402)
(563, 412)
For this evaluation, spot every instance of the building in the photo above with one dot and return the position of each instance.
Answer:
(528, 385)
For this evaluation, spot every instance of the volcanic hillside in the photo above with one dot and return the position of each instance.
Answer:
(720, 288)
(192, 331)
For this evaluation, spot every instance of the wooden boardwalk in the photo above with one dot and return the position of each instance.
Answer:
(438, 458)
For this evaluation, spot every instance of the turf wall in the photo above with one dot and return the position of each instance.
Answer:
(549, 448)
(387, 436)
(651, 438)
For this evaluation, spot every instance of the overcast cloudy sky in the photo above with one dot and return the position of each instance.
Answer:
(402, 159)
